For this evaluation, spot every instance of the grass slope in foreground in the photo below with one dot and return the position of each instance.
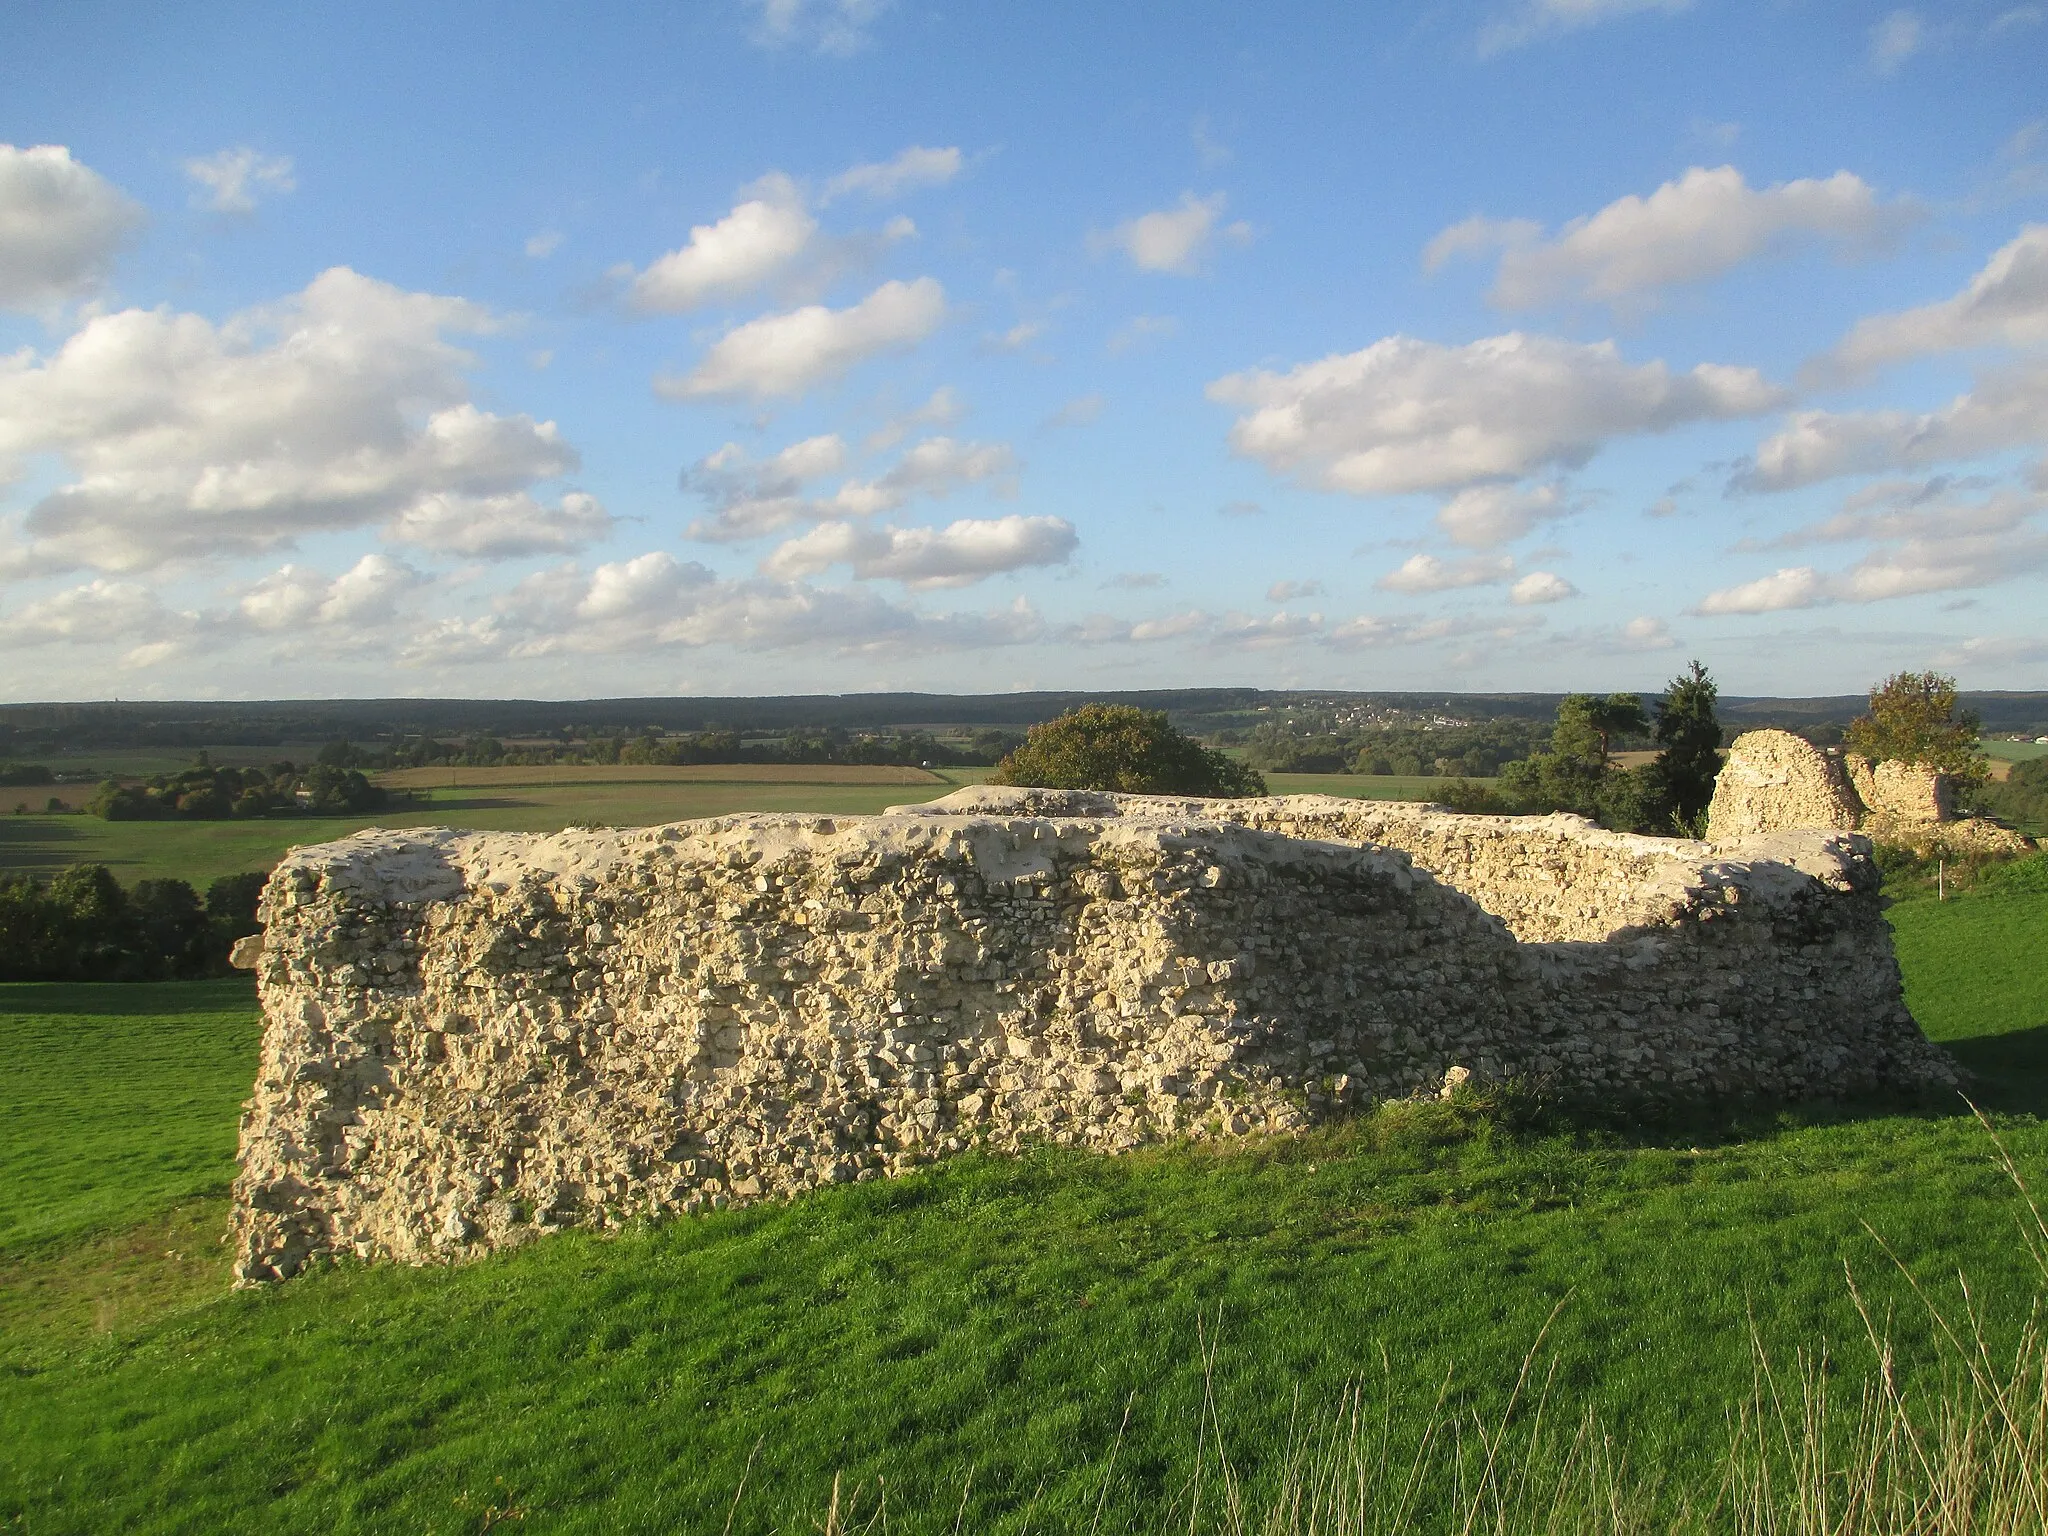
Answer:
(977, 1334)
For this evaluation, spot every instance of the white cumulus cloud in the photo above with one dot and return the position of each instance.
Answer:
(1705, 223)
(61, 225)
(1918, 545)
(915, 167)
(1896, 39)
(836, 27)
(1541, 587)
(1408, 415)
(937, 466)
(342, 406)
(941, 409)
(654, 602)
(364, 597)
(1483, 516)
(2007, 408)
(231, 180)
(957, 555)
(1173, 239)
(95, 613)
(1264, 632)
(1795, 586)
(1291, 591)
(1549, 18)
(1370, 631)
(788, 354)
(750, 497)
(1427, 573)
(1645, 633)
(500, 527)
(756, 242)
(2004, 304)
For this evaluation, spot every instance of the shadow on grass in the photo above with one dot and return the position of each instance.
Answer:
(2005, 1074)
(2011, 1069)
(37, 843)
(129, 999)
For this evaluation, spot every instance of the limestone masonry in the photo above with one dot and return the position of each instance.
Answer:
(472, 1038)
(1774, 780)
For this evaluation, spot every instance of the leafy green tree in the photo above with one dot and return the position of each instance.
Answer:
(2022, 798)
(231, 902)
(35, 936)
(1689, 733)
(172, 936)
(1132, 751)
(1575, 775)
(1914, 719)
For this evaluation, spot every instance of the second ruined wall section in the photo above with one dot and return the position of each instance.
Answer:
(1545, 877)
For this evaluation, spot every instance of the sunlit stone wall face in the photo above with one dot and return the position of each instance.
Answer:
(475, 1038)
(1773, 781)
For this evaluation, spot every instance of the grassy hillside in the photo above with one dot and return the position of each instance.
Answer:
(987, 1334)
(117, 1100)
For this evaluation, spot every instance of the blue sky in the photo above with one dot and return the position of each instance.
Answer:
(833, 345)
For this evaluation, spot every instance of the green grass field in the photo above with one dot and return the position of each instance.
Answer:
(524, 800)
(200, 851)
(2015, 751)
(975, 1334)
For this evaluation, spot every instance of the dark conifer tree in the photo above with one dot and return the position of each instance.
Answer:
(1690, 737)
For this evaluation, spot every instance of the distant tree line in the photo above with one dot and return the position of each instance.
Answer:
(84, 926)
(1566, 765)
(206, 793)
(829, 744)
(1475, 751)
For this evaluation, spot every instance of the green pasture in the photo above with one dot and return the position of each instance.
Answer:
(986, 1336)
(2015, 751)
(200, 851)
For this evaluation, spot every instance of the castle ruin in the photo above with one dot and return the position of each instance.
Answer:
(473, 1038)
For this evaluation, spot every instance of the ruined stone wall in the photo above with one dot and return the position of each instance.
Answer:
(1775, 781)
(474, 1038)
(1545, 877)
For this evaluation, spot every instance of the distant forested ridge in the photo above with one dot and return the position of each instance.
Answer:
(32, 731)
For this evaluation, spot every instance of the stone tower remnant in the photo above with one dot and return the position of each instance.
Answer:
(1774, 781)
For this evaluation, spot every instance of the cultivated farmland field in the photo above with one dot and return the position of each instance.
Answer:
(986, 1335)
